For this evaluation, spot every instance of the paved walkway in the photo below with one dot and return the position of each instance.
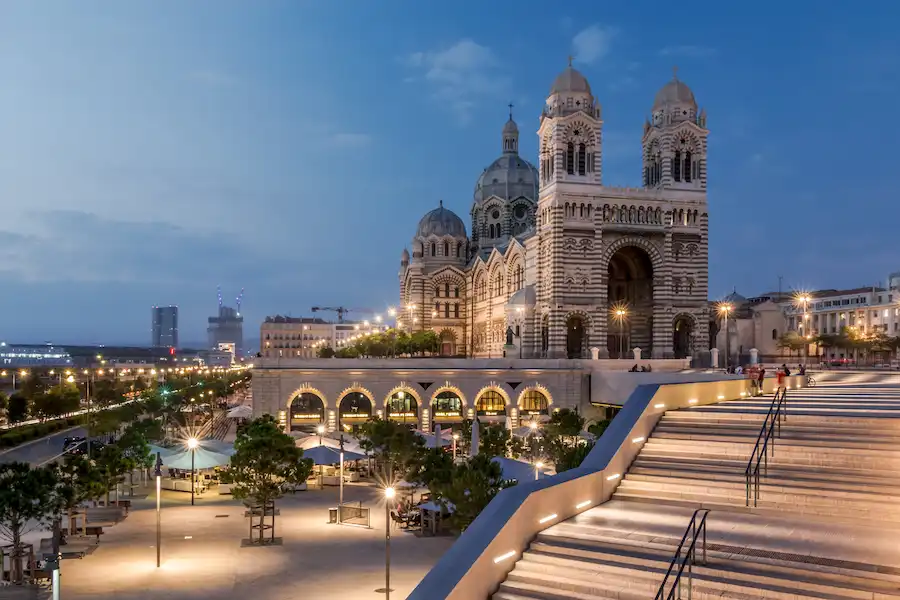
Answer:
(203, 558)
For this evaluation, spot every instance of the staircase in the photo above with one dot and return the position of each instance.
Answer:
(824, 526)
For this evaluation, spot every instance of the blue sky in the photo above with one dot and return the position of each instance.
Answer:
(152, 151)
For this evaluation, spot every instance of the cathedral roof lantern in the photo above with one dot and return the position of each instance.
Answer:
(404, 256)
(440, 222)
(673, 93)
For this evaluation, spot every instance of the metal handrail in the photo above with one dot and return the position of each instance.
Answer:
(765, 442)
(688, 559)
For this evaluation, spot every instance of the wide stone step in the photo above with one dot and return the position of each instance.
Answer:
(736, 414)
(770, 485)
(848, 502)
(876, 482)
(588, 562)
(858, 441)
(786, 448)
(788, 426)
(871, 517)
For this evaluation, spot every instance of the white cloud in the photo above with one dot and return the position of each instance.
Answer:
(593, 43)
(688, 51)
(460, 75)
(350, 140)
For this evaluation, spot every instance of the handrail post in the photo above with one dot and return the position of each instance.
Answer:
(704, 540)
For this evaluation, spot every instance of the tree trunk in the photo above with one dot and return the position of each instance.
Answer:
(15, 563)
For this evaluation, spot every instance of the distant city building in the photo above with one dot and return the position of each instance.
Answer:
(165, 326)
(226, 328)
(14, 356)
(301, 337)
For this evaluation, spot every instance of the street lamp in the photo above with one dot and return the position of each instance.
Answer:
(455, 438)
(320, 430)
(537, 469)
(620, 313)
(724, 309)
(192, 444)
(804, 301)
(158, 474)
(388, 496)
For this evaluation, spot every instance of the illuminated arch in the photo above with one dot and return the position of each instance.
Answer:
(448, 387)
(307, 389)
(536, 388)
(493, 388)
(355, 388)
(403, 387)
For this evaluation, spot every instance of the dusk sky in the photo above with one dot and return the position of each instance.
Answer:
(150, 151)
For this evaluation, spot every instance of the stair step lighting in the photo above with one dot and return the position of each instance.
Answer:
(660, 405)
(548, 518)
(582, 504)
(638, 440)
(692, 401)
(503, 557)
(613, 476)
(720, 397)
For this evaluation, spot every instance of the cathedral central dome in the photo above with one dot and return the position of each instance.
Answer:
(570, 80)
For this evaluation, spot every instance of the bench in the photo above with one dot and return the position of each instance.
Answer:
(90, 530)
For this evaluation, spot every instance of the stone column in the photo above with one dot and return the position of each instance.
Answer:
(595, 353)
(714, 358)
(754, 356)
(637, 353)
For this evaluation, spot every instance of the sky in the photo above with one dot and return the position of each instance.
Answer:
(152, 151)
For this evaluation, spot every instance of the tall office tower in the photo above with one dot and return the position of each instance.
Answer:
(165, 326)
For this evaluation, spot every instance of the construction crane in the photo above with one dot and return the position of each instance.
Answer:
(239, 299)
(341, 311)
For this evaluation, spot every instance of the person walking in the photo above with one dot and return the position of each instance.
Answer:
(760, 379)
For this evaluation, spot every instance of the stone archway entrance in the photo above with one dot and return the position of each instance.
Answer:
(307, 410)
(683, 337)
(630, 281)
(448, 342)
(576, 336)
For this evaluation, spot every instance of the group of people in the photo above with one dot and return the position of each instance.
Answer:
(757, 373)
(643, 369)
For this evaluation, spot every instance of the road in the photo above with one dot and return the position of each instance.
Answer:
(42, 450)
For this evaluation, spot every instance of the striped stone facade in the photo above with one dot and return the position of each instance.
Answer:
(587, 250)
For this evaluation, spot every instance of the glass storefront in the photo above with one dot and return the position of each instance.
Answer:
(490, 404)
(306, 412)
(533, 403)
(446, 406)
(402, 406)
(354, 409)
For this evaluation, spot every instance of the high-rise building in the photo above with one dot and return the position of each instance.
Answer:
(165, 326)
(226, 328)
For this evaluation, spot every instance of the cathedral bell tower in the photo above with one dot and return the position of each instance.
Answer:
(570, 132)
(674, 143)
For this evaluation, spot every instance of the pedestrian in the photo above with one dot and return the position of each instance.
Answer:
(780, 376)
(761, 380)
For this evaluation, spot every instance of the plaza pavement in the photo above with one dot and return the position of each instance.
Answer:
(202, 557)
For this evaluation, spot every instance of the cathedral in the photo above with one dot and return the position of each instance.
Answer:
(558, 263)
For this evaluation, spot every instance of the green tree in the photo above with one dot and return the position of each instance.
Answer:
(27, 503)
(33, 385)
(472, 485)
(393, 444)
(57, 401)
(496, 440)
(79, 480)
(136, 448)
(432, 468)
(105, 392)
(266, 463)
(325, 352)
(113, 464)
(599, 427)
(4, 402)
(17, 410)
(570, 457)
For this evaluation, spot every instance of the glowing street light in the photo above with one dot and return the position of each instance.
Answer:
(192, 443)
(537, 470)
(389, 494)
(455, 438)
(724, 309)
(620, 314)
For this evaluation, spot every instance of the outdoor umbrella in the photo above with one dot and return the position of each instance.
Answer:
(476, 438)
(203, 459)
(218, 446)
(154, 450)
(312, 441)
(326, 455)
(517, 469)
(240, 412)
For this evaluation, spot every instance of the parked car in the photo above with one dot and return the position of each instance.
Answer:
(81, 447)
(68, 441)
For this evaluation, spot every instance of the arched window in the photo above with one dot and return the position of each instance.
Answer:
(490, 403)
(446, 404)
(582, 159)
(446, 249)
(433, 249)
(446, 290)
(774, 334)
(456, 292)
(458, 248)
(402, 406)
(491, 231)
(533, 402)
(687, 166)
(422, 248)
(437, 306)
(676, 166)
(456, 310)
(570, 158)
(446, 310)
(437, 292)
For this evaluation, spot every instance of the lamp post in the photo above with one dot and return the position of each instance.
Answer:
(620, 314)
(341, 496)
(455, 437)
(192, 444)
(158, 474)
(805, 301)
(537, 470)
(388, 496)
(724, 309)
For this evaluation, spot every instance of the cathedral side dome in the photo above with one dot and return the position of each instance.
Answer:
(508, 177)
(570, 80)
(674, 92)
(440, 222)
